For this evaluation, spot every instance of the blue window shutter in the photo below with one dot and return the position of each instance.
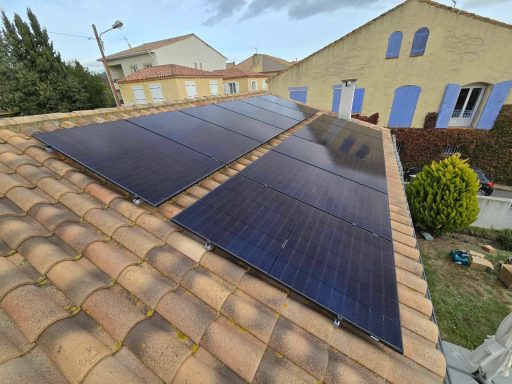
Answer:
(448, 105)
(298, 93)
(420, 42)
(357, 105)
(336, 97)
(494, 103)
(404, 106)
(394, 44)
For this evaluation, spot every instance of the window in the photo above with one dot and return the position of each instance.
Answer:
(156, 93)
(214, 88)
(264, 84)
(420, 42)
(466, 106)
(231, 88)
(254, 85)
(138, 94)
(190, 87)
(394, 45)
(147, 65)
(134, 68)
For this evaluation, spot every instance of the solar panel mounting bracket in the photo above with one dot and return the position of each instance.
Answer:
(209, 245)
(337, 322)
(137, 200)
(49, 149)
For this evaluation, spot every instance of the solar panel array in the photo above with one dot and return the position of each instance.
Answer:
(313, 214)
(157, 156)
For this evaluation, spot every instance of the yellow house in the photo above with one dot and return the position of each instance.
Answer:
(238, 80)
(262, 63)
(167, 83)
(417, 58)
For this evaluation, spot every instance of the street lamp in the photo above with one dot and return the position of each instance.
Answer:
(117, 24)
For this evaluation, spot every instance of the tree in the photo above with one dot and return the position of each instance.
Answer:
(443, 196)
(33, 77)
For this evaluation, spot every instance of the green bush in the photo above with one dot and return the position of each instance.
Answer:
(442, 197)
(505, 239)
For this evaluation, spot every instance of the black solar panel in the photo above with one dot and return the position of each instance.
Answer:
(327, 119)
(341, 267)
(235, 122)
(344, 155)
(260, 114)
(277, 108)
(356, 204)
(290, 104)
(137, 160)
(200, 135)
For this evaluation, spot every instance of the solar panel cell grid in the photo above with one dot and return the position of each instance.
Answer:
(289, 104)
(277, 108)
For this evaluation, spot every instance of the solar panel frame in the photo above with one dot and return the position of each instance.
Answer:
(290, 104)
(277, 108)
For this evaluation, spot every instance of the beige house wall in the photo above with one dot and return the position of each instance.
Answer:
(172, 89)
(127, 62)
(245, 83)
(460, 50)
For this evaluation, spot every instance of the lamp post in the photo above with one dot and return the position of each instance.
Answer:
(117, 24)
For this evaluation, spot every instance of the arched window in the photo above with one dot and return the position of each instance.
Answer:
(420, 42)
(254, 85)
(394, 44)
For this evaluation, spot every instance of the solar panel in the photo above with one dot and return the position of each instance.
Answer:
(260, 114)
(345, 269)
(289, 104)
(202, 136)
(277, 108)
(344, 156)
(137, 160)
(356, 204)
(327, 119)
(235, 122)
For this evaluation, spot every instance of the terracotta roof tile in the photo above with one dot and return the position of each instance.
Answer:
(195, 370)
(26, 198)
(207, 286)
(127, 209)
(103, 194)
(79, 179)
(56, 188)
(224, 267)
(5, 169)
(23, 144)
(301, 347)
(110, 257)
(237, 73)
(170, 262)
(275, 369)
(137, 240)
(146, 283)
(187, 313)
(168, 71)
(418, 323)
(106, 220)
(158, 346)
(414, 300)
(239, 350)
(34, 174)
(6, 134)
(210, 184)
(114, 310)
(12, 277)
(59, 167)
(5, 250)
(12, 341)
(6, 148)
(157, 226)
(19, 371)
(52, 215)
(34, 309)
(14, 161)
(250, 315)
(8, 208)
(269, 295)
(44, 253)
(186, 245)
(79, 235)
(80, 203)
(72, 349)
(10, 181)
(423, 352)
(408, 264)
(341, 369)
(78, 279)
(15, 230)
(197, 191)
(39, 154)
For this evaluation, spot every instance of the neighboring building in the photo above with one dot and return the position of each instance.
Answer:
(167, 83)
(417, 58)
(237, 80)
(187, 50)
(258, 62)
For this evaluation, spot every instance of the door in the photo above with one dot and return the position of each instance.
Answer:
(466, 106)
(404, 106)
(138, 94)
(214, 88)
(190, 87)
(156, 93)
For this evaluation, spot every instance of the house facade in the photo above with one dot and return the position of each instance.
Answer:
(417, 58)
(237, 80)
(187, 50)
(262, 63)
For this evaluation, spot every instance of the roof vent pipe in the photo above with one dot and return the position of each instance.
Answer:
(348, 88)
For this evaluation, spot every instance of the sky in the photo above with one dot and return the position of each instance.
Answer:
(291, 29)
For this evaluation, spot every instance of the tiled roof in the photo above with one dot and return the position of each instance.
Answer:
(148, 46)
(95, 289)
(169, 71)
(237, 73)
(268, 63)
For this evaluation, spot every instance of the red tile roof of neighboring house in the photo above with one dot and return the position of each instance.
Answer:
(237, 73)
(95, 289)
(169, 71)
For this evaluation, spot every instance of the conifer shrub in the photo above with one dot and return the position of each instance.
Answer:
(443, 196)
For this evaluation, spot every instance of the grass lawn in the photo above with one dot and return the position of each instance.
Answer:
(469, 304)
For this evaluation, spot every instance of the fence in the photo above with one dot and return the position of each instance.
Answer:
(495, 212)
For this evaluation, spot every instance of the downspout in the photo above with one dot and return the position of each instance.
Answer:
(153, 57)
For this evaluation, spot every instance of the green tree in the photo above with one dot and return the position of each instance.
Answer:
(33, 77)
(443, 196)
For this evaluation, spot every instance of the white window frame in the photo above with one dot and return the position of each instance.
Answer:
(134, 68)
(214, 87)
(135, 89)
(254, 85)
(156, 89)
(188, 84)
(264, 85)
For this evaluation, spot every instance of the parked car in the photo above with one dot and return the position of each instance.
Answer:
(486, 184)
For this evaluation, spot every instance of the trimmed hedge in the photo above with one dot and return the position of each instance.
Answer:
(372, 119)
(488, 150)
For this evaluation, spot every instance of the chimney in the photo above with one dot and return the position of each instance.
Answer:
(348, 88)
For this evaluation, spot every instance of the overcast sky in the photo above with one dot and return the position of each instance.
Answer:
(286, 28)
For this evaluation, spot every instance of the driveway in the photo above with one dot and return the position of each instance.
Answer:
(502, 193)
